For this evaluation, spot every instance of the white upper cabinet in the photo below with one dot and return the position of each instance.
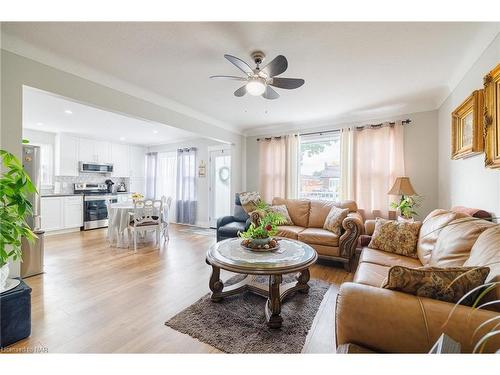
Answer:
(137, 161)
(94, 151)
(66, 155)
(120, 160)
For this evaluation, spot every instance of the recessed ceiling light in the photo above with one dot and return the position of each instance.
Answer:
(122, 138)
(39, 123)
(68, 112)
(155, 131)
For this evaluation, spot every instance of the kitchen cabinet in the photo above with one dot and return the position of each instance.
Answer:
(137, 162)
(94, 151)
(120, 160)
(66, 155)
(63, 212)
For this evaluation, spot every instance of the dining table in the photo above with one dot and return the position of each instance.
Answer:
(118, 221)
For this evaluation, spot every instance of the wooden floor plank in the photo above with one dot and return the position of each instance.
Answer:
(93, 298)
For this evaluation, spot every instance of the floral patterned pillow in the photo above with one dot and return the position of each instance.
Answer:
(396, 237)
(444, 284)
(281, 209)
(333, 221)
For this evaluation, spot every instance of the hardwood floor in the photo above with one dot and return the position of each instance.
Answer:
(97, 299)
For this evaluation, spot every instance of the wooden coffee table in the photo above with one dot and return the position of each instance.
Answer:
(292, 256)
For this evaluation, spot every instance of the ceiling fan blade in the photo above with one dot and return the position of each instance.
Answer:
(241, 91)
(270, 93)
(277, 66)
(240, 64)
(229, 77)
(287, 83)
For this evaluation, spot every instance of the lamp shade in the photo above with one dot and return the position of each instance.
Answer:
(402, 186)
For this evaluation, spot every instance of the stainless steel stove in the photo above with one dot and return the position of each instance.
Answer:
(96, 199)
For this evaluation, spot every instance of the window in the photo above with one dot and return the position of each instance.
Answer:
(319, 170)
(47, 164)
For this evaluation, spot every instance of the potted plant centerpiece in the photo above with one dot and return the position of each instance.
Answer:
(264, 222)
(15, 186)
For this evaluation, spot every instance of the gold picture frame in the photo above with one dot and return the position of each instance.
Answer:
(467, 127)
(492, 118)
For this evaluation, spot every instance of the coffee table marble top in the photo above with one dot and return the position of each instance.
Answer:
(291, 256)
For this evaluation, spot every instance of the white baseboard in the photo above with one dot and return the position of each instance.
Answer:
(61, 231)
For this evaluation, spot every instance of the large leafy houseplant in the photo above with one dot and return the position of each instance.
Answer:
(15, 187)
(264, 223)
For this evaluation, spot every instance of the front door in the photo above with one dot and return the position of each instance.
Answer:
(220, 185)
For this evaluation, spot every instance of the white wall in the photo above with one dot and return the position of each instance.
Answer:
(467, 182)
(202, 154)
(420, 155)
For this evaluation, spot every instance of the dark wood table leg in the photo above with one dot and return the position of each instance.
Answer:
(302, 281)
(273, 304)
(216, 285)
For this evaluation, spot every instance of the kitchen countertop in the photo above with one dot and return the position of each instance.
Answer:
(73, 194)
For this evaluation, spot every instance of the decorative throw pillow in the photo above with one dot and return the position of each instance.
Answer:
(333, 221)
(281, 209)
(395, 237)
(249, 200)
(444, 284)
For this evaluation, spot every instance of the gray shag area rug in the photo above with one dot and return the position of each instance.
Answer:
(237, 324)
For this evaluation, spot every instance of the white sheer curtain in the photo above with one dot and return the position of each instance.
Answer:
(186, 186)
(166, 178)
(378, 158)
(292, 166)
(346, 164)
(151, 170)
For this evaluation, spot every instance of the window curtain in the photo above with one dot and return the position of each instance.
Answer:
(186, 186)
(151, 174)
(378, 158)
(292, 166)
(166, 179)
(346, 164)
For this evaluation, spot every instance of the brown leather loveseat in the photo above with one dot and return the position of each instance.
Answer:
(384, 320)
(308, 217)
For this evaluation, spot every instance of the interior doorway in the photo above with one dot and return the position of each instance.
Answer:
(220, 184)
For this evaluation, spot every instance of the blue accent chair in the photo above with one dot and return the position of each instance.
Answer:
(229, 226)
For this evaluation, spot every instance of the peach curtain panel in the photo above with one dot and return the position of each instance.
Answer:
(278, 167)
(378, 158)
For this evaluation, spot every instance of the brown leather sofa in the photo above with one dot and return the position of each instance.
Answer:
(383, 320)
(308, 217)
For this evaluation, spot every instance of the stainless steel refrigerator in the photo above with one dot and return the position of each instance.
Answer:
(32, 263)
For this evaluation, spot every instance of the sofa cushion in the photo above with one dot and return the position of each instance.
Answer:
(430, 229)
(231, 229)
(281, 209)
(289, 231)
(371, 274)
(445, 284)
(320, 210)
(334, 220)
(455, 241)
(318, 236)
(396, 237)
(297, 208)
(384, 258)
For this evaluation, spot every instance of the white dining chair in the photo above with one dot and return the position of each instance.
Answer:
(165, 216)
(147, 216)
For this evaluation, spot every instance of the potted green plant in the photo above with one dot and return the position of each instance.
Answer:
(406, 206)
(15, 187)
(263, 227)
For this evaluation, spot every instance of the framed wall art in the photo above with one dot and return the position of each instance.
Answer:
(467, 127)
(492, 118)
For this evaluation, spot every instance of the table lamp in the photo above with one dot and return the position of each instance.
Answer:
(402, 186)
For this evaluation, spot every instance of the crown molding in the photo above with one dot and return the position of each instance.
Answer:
(19, 47)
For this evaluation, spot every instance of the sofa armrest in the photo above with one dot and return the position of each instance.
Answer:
(221, 221)
(352, 228)
(394, 322)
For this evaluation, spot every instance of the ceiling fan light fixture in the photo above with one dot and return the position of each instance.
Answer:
(256, 86)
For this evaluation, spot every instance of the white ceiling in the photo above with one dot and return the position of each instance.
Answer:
(353, 71)
(46, 112)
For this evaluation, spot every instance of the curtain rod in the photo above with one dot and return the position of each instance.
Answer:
(403, 122)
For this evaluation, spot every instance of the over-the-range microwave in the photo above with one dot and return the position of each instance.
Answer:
(95, 167)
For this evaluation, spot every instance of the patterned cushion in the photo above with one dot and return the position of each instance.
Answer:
(248, 200)
(281, 209)
(444, 284)
(333, 221)
(396, 237)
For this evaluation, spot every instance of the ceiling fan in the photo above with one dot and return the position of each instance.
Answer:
(260, 80)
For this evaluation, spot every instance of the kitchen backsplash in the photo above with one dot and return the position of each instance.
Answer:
(64, 184)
